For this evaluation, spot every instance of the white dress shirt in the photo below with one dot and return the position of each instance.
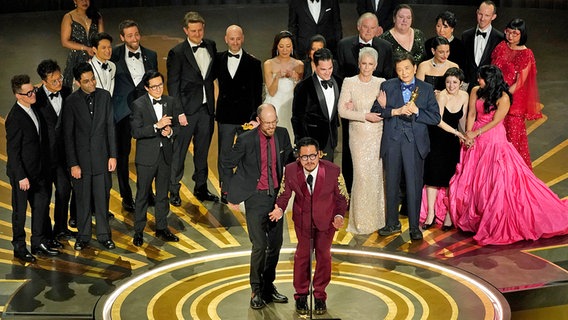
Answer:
(135, 66)
(203, 60)
(329, 94)
(315, 9)
(233, 62)
(105, 78)
(480, 43)
(32, 115)
(55, 101)
(314, 174)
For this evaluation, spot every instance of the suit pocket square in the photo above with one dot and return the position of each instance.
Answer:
(328, 9)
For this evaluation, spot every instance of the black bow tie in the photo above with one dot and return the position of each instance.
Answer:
(404, 86)
(363, 45)
(234, 55)
(326, 83)
(104, 66)
(154, 101)
(135, 55)
(201, 45)
(315, 1)
(54, 95)
(479, 33)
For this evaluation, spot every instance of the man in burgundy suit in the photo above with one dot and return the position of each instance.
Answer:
(314, 217)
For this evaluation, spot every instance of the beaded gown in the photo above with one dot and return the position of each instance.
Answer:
(417, 51)
(367, 203)
(526, 103)
(75, 57)
(282, 101)
(496, 196)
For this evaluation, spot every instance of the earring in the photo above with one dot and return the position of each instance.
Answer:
(277, 53)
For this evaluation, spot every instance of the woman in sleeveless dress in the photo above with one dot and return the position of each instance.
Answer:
(433, 70)
(358, 93)
(440, 164)
(77, 27)
(281, 73)
(403, 37)
(518, 65)
(493, 193)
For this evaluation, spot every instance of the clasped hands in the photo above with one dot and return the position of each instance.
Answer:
(277, 214)
(469, 140)
(164, 125)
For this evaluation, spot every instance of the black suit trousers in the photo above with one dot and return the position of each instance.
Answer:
(146, 175)
(97, 189)
(200, 129)
(226, 133)
(123, 146)
(61, 180)
(266, 238)
(38, 198)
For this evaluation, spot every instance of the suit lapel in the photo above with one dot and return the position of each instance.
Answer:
(257, 149)
(302, 179)
(188, 52)
(324, 6)
(320, 179)
(211, 55)
(29, 120)
(320, 95)
(307, 11)
(122, 63)
(145, 61)
(355, 50)
(150, 108)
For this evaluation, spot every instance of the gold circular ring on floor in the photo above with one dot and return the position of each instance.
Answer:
(364, 284)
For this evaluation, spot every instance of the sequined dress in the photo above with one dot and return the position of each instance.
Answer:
(526, 103)
(417, 51)
(496, 196)
(367, 204)
(75, 57)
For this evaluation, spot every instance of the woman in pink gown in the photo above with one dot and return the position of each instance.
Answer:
(493, 193)
(518, 65)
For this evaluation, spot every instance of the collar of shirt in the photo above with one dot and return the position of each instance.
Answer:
(488, 29)
(191, 44)
(314, 174)
(240, 53)
(152, 98)
(47, 92)
(365, 42)
(126, 51)
(320, 80)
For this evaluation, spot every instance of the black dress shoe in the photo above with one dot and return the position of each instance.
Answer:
(128, 205)
(272, 295)
(205, 195)
(138, 239)
(54, 244)
(447, 228)
(224, 198)
(44, 250)
(80, 245)
(175, 200)
(256, 302)
(166, 235)
(302, 305)
(110, 215)
(388, 230)
(109, 244)
(320, 307)
(24, 256)
(415, 234)
(73, 223)
(65, 235)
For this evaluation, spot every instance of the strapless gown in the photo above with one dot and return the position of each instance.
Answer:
(496, 195)
(282, 101)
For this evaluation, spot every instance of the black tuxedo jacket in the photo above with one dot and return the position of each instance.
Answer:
(239, 96)
(54, 124)
(245, 157)
(348, 57)
(310, 116)
(28, 151)
(124, 89)
(468, 39)
(303, 26)
(89, 141)
(148, 140)
(185, 81)
(383, 12)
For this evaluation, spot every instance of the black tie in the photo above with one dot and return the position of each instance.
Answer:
(310, 180)
(154, 101)
(104, 66)
(201, 45)
(326, 83)
(54, 95)
(315, 1)
(234, 55)
(90, 103)
(269, 167)
(135, 55)
(363, 45)
(479, 33)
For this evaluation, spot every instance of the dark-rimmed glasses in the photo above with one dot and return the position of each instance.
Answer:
(29, 94)
(305, 157)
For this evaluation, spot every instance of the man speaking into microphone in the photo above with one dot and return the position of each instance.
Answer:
(319, 206)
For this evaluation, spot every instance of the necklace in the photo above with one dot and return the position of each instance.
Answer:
(437, 65)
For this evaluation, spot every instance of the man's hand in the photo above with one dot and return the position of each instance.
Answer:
(276, 214)
(166, 131)
(111, 164)
(182, 120)
(25, 184)
(338, 222)
(165, 121)
(76, 172)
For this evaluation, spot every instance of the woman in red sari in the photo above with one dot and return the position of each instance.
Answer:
(518, 65)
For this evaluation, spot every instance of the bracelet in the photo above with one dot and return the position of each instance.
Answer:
(479, 133)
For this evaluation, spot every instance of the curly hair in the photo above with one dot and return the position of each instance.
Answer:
(495, 85)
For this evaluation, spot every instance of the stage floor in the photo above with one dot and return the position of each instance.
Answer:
(204, 276)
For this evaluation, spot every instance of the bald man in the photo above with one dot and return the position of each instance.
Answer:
(240, 93)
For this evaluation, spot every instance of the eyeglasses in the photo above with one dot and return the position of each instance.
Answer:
(512, 32)
(56, 81)
(305, 157)
(156, 87)
(270, 124)
(29, 94)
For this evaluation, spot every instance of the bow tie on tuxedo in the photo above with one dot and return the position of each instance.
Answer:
(135, 55)
(479, 33)
(154, 101)
(326, 83)
(104, 66)
(54, 95)
(363, 45)
(234, 55)
(314, 0)
(201, 45)
(404, 86)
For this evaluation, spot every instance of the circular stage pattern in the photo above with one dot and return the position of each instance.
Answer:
(365, 285)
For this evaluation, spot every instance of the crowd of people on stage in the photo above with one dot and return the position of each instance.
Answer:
(432, 128)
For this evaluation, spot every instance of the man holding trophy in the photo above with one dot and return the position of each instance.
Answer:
(407, 106)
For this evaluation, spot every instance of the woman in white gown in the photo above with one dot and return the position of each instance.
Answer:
(367, 205)
(281, 73)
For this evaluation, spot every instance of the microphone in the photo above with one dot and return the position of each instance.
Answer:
(310, 180)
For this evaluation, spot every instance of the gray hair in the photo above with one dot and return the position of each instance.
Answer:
(367, 15)
(369, 52)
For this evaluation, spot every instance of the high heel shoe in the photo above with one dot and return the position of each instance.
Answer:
(427, 226)
(448, 228)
